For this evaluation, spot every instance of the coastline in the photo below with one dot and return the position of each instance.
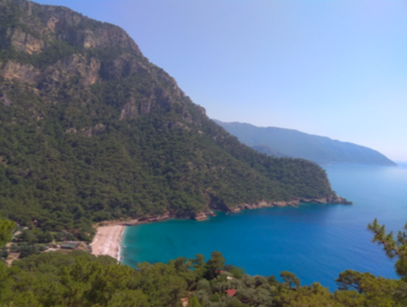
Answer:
(107, 241)
(108, 238)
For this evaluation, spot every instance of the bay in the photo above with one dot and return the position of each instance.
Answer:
(316, 242)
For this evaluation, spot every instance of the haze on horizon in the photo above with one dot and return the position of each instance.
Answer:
(331, 68)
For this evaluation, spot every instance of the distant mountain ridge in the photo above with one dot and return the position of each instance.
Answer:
(293, 143)
(268, 150)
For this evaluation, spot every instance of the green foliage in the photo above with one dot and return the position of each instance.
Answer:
(4, 252)
(313, 295)
(67, 181)
(370, 290)
(27, 249)
(290, 279)
(64, 236)
(237, 272)
(133, 145)
(392, 247)
(28, 236)
(6, 229)
(81, 279)
(194, 302)
(215, 264)
(204, 284)
(70, 156)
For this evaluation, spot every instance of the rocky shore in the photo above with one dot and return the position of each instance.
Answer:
(204, 215)
(292, 203)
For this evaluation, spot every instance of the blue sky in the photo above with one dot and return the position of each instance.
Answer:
(336, 68)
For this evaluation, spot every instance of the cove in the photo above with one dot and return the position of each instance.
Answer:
(316, 242)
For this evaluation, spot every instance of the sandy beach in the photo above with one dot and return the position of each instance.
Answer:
(107, 241)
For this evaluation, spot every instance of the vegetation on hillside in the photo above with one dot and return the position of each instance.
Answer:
(81, 279)
(67, 181)
(6, 229)
(99, 133)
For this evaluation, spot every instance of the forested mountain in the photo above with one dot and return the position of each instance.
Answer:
(90, 130)
(293, 143)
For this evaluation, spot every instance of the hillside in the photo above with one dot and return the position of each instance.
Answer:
(268, 151)
(90, 130)
(293, 143)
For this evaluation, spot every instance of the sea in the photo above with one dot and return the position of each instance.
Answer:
(314, 241)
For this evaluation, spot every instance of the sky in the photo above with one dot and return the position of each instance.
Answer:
(335, 68)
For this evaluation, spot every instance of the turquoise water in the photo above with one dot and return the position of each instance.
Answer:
(316, 242)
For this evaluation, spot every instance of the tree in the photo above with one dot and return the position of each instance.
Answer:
(313, 295)
(237, 272)
(6, 228)
(394, 248)
(28, 236)
(199, 266)
(365, 289)
(6, 231)
(216, 263)
(4, 252)
(350, 279)
(28, 250)
(194, 302)
(290, 279)
(370, 290)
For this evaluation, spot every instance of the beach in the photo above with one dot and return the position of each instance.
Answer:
(107, 241)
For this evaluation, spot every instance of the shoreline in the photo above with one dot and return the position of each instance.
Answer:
(108, 238)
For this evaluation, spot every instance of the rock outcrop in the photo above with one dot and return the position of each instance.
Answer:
(22, 72)
(204, 215)
(130, 110)
(291, 203)
(25, 42)
(5, 101)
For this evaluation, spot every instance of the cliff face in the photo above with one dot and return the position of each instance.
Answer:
(59, 39)
(31, 28)
(90, 130)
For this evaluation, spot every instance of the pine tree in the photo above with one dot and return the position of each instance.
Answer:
(393, 247)
(194, 302)
(6, 228)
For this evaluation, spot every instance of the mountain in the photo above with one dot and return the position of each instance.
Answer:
(90, 130)
(268, 151)
(293, 143)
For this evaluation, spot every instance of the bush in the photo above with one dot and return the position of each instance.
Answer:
(4, 252)
(204, 284)
(237, 272)
(28, 250)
